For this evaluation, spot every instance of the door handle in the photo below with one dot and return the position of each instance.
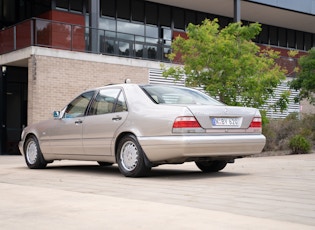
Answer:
(77, 122)
(116, 118)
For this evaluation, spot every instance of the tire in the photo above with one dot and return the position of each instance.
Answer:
(130, 157)
(104, 164)
(33, 155)
(211, 166)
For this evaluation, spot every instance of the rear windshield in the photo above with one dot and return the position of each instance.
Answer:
(164, 94)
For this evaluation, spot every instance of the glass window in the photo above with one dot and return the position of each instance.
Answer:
(151, 13)
(107, 45)
(273, 35)
(224, 21)
(299, 40)
(78, 106)
(190, 17)
(108, 8)
(105, 102)
(123, 9)
(165, 15)
(124, 48)
(152, 31)
(131, 28)
(179, 18)
(152, 52)
(107, 24)
(308, 41)
(282, 37)
(167, 33)
(264, 36)
(62, 4)
(162, 94)
(201, 17)
(38, 7)
(291, 38)
(138, 49)
(121, 103)
(76, 5)
(137, 11)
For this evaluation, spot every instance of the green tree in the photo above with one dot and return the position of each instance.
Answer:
(227, 64)
(305, 80)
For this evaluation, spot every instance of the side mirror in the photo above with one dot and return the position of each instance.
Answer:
(56, 114)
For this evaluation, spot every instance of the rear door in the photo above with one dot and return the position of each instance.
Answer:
(107, 113)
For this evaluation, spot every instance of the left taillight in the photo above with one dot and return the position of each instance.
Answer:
(187, 124)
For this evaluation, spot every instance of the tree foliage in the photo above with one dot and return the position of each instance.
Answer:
(227, 64)
(305, 81)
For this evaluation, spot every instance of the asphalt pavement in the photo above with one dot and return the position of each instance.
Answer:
(275, 192)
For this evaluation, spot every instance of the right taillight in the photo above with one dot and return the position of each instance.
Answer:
(255, 126)
(256, 123)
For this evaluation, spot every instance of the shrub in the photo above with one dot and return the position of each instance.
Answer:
(299, 144)
(279, 132)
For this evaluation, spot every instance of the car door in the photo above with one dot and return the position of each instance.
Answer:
(66, 136)
(107, 113)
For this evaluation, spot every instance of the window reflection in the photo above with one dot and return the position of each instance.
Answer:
(108, 101)
(124, 48)
(152, 52)
(107, 24)
(78, 106)
(131, 28)
(152, 31)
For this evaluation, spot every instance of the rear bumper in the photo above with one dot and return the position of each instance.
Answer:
(166, 148)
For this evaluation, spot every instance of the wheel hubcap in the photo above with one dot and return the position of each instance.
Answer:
(129, 156)
(31, 152)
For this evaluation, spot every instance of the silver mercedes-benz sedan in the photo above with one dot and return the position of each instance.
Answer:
(142, 126)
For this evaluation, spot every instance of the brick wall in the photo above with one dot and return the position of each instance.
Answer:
(54, 82)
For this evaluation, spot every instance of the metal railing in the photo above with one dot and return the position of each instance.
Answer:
(59, 35)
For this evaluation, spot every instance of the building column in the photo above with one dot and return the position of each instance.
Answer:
(94, 6)
(237, 10)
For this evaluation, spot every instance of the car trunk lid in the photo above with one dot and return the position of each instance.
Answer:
(223, 117)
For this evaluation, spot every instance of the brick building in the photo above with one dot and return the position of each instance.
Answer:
(52, 50)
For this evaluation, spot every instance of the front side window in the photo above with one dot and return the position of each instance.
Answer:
(79, 105)
(108, 101)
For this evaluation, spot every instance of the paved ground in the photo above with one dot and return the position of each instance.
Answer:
(254, 193)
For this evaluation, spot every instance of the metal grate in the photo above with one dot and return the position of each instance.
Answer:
(155, 77)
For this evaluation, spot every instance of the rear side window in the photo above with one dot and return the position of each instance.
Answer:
(108, 101)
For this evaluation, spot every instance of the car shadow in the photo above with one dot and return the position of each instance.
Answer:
(155, 173)
(92, 169)
(177, 174)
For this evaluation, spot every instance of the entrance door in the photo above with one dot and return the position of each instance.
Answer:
(13, 108)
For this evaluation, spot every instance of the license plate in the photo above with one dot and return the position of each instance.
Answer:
(225, 121)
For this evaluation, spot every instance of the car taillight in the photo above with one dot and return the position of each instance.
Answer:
(186, 122)
(256, 123)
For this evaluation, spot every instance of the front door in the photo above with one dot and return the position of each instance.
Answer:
(66, 135)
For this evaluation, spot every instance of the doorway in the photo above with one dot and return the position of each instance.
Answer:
(13, 105)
